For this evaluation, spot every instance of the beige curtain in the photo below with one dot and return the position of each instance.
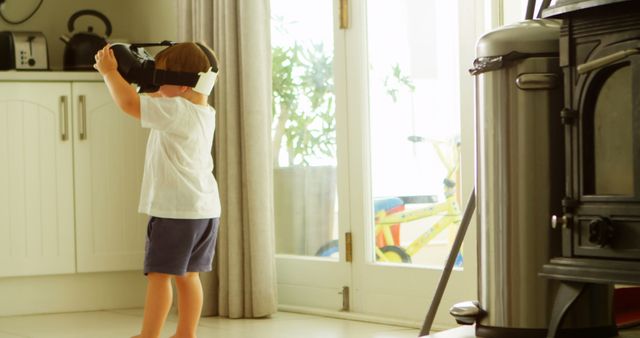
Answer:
(243, 284)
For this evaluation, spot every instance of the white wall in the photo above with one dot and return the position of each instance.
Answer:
(498, 13)
(132, 20)
(515, 10)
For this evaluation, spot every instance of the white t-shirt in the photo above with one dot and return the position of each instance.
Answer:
(178, 177)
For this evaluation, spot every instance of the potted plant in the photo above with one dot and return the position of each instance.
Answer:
(303, 105)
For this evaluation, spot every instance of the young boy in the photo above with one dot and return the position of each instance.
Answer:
(179, 192)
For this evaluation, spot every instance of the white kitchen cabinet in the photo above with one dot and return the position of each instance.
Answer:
(70, 180)
(109, 158)
(36, 180)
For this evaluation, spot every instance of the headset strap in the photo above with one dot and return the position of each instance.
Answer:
(200, 82)
(163, 77)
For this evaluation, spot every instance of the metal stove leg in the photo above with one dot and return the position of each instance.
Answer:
(568, 292)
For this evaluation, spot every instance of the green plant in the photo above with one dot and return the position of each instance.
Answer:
(303, 104)
(393, 83)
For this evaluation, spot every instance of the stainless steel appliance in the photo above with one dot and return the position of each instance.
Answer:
(518, 86)
(23, 51)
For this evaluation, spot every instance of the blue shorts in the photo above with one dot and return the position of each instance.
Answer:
(178, 246)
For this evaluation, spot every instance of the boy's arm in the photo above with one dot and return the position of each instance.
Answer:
(121, 91)
(123, 94)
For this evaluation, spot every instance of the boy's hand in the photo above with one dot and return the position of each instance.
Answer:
(121, 91)
(105, 61)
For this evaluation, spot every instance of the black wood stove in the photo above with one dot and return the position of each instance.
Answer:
(600, 220)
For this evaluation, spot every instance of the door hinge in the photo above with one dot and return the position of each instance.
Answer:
(348, 247)
(345, 298)
(344, 14)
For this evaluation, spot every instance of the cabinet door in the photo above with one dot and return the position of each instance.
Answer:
(109, 158)
(36, 179)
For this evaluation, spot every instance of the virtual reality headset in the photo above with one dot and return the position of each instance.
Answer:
(138, 67)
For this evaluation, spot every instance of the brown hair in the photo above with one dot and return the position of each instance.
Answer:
(187, 57)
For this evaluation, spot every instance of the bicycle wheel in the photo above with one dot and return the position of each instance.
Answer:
(329, 249)
(395, 254)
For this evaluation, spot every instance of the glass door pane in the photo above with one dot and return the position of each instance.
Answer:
(304, 128)
(414, 130)
(609, 137)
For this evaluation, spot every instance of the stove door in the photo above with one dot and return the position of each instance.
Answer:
(605, 153)
(607, 132)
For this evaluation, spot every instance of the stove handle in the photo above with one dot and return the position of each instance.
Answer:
(563, 221)
(606, 60)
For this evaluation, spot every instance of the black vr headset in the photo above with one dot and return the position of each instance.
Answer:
(138, 67)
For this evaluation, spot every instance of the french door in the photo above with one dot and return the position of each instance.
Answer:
(373, 154)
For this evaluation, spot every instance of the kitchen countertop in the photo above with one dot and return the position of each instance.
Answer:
(53, 75)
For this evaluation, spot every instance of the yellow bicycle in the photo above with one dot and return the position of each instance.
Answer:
(391, 213)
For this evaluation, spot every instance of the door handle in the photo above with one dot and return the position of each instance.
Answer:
(64, 118)
(82, 117)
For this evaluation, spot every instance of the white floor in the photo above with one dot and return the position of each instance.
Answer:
(126, 323)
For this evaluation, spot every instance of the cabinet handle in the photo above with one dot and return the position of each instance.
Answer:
(82, 117)
(64, 118)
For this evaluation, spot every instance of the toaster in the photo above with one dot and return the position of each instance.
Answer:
(23, 51)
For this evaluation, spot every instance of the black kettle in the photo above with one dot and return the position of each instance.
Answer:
(82, 46)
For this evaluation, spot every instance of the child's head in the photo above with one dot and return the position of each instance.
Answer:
(188, 57)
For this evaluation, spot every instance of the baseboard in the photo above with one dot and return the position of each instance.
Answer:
(358, 317)
(71, 293)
